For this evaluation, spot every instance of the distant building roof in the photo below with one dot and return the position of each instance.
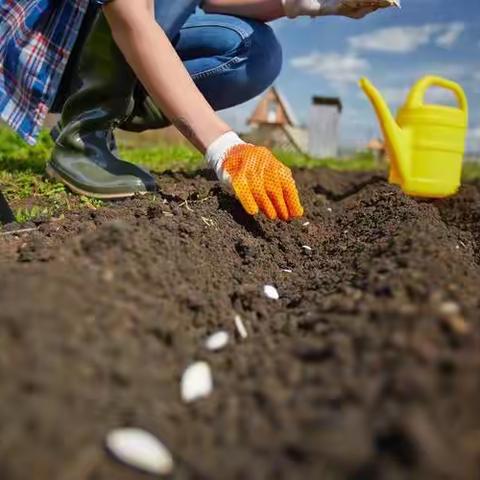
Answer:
(288, 108)
(376, 144)
(335, 101)
(284, 114)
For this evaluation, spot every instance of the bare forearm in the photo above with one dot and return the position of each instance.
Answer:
(155, 62)
(265, 10)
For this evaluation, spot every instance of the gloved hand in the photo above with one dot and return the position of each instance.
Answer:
(348, 8)
(258, 179)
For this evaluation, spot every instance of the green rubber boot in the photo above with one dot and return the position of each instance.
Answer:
(145, 114)
(103, 87)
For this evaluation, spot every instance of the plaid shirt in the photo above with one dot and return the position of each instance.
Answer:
(36, 38)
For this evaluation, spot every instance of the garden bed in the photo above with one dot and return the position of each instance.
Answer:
(365, 368)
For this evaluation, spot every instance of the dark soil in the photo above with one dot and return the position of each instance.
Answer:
(364, 369)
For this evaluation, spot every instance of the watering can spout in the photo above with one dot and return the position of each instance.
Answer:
(396, 140)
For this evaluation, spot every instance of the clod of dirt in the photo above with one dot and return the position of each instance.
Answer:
(217, 341)
(140, 449)
(197, 382)
(271, 292)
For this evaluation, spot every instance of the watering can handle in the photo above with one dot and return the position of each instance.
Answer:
(417, 95)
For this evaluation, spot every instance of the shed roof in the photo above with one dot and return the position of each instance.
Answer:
(287, 110)
(334, 101)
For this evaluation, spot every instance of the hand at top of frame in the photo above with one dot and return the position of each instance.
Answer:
(347, 8)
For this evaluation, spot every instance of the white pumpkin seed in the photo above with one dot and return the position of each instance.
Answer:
(196, 382)
(139, 449)
(449, 308)
(307, 248)
(240, 326)
(217, 341)
(271, 292)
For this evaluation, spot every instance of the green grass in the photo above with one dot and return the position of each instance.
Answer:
(360, 162)
(471, 171)
(165, 157)
(33, 196)
(21, 178)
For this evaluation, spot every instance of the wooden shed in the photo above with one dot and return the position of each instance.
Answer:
(323, 127)
(273, 109)
(274, 124)
(377, 147)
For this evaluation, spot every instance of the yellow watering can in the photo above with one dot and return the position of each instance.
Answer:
(426, 144)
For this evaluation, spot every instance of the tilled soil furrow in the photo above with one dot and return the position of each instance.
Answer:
(366, 367)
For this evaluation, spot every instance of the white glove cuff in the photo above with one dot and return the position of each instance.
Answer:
(218, 150)
(296, 8)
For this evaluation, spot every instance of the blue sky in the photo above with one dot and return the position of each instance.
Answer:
(327, 56)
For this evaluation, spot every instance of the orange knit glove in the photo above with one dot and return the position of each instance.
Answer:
(259, 180)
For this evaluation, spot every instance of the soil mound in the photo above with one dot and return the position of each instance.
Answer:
(366, 368)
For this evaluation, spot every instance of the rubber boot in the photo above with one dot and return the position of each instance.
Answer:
(6, 214)
(103, 84)
(145, 115)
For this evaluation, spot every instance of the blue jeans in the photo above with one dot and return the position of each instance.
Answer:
(231, 59)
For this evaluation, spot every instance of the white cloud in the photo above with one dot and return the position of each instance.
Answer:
(394, 39)
(334, 67)
(451, 34)
(408, 38)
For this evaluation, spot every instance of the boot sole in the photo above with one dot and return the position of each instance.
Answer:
(52, 173)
